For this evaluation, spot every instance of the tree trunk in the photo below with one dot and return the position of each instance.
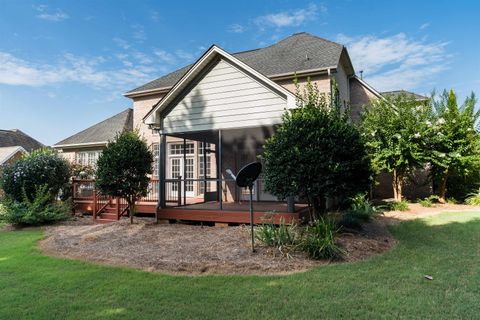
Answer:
(442, 191)
(397, 185)
(132, 211)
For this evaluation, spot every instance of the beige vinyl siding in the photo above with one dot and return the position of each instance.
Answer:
(226, 98)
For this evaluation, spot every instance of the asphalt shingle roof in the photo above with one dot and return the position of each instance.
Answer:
(299, 52)
(8, 152)
(15, 137)
(102, 131)
(396, 93)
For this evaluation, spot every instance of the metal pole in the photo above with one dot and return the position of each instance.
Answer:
(250, 187)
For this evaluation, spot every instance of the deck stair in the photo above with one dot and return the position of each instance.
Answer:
(108, 209)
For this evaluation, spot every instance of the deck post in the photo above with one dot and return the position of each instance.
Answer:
(184, 171)
(219, 170)
(94, 204)
(179, 191)
(161, 171)
(204, 169)
(290, 204)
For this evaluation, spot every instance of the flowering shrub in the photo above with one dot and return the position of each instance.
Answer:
(24, 177)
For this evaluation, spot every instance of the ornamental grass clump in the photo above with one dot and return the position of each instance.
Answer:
(320, 240)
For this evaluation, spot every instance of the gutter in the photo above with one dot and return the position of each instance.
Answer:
(87, 144)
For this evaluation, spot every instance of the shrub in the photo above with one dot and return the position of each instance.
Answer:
(319, 241)
(40, 210)
(310, 154)
(473, 199)
(41, 168)
(428, 201)
(398, 205)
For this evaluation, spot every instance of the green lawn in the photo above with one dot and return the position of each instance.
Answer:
(390, 286)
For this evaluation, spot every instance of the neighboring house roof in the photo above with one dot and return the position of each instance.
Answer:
(396, 93)
(6, 153)
(15, 137)
(210, 56)
(301, 52)
(102, 132)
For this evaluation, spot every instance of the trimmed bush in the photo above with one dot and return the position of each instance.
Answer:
(42, 168)
(40, 210)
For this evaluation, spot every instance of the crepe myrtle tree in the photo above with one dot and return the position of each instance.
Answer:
(395, 131)
(455, 148)
(123, 168)
(315, 153)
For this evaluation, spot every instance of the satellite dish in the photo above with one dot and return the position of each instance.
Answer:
(245, 179)
(248, 174)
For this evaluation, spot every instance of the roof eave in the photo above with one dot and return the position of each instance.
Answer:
(79, 145)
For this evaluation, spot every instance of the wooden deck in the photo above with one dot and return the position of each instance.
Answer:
(264, 212)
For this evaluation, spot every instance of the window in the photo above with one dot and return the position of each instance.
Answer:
(87, 158)
(177, 148)
(156, 158)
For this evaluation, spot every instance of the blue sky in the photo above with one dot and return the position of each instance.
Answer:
(65, 64)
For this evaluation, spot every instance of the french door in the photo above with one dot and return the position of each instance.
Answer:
(177, 168)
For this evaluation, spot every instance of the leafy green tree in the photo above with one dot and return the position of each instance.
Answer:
(42, 168)
(123, 168)
(455, 147)
(394, 130)
(315, 153)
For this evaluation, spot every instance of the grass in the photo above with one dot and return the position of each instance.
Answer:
(388, 286)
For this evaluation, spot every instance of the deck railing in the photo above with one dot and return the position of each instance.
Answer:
(178, 191)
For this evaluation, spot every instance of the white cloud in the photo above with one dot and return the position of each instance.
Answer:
(236, 28)
(184, 55)
(164, 56)
(424, 26)
(121, 43)
(396, 62)
(138, 33)
(90, 71)
(55, 15)
(291, 18)
(155, 16)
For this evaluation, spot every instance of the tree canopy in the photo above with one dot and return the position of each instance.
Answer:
(454, 142)
(123, 168)
(394, 130)
(315, 153)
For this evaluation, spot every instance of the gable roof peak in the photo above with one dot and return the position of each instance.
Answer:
(284, 57)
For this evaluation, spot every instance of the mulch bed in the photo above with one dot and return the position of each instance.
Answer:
(193, 249)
